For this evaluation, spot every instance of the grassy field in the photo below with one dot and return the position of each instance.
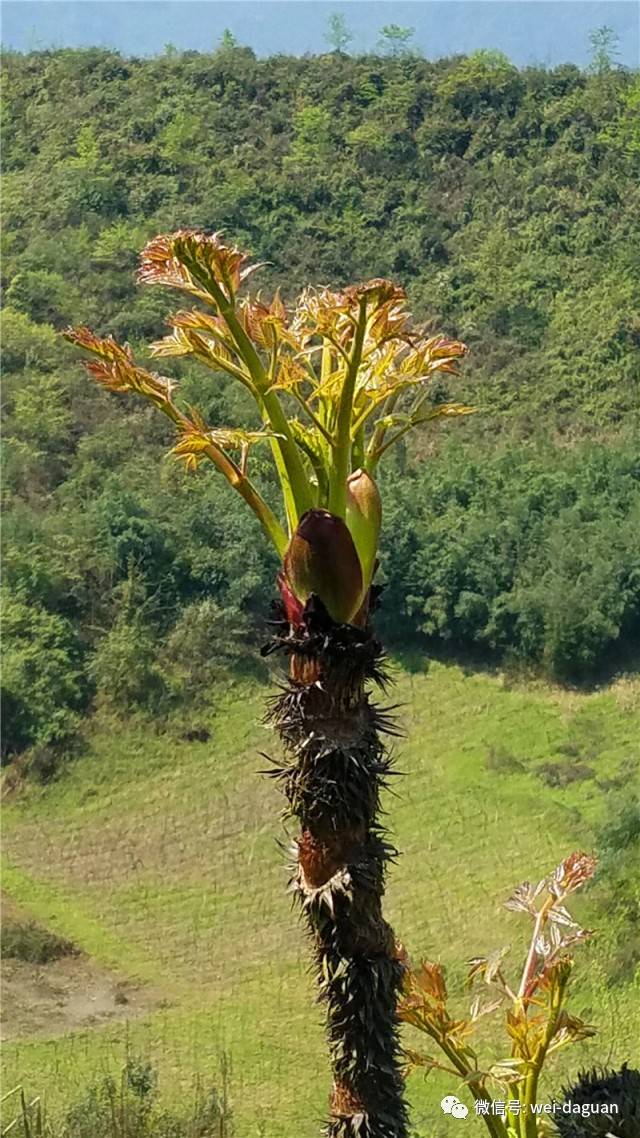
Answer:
(159, 858)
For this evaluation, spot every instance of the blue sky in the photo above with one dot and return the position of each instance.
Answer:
(528, 31)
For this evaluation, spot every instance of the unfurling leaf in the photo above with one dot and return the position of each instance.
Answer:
(115, 369)
(265, 324)
(442, 410)
(195, 441)
(571, 1029)
(477, 1010)
(195, 333)
(577, 937)
(521, 899)
(378, 293)
(429, 980)
(195, 262)
(572, 873)
(555, 974)
(506, 1072)
(494, 963)
(542, 946)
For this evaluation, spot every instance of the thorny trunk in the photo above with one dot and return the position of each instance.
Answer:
(337, 766)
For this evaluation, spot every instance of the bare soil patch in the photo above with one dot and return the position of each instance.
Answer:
(63, 995)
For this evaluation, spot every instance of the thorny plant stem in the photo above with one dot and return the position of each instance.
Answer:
(335, 771)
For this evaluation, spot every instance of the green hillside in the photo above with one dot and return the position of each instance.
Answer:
(159, 859)
(503, 200)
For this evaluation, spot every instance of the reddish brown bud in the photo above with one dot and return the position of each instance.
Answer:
(322, 559)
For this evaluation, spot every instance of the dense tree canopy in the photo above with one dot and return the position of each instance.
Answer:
(505, 200)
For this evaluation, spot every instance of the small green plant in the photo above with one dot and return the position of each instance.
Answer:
(537, 1023)
(125, 1107)
(128, 1108)
(31, 1121)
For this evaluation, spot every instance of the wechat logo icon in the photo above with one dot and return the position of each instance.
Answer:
(451, 1105)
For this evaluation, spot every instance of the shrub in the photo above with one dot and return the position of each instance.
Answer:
(42, 683)
(129, 1109)
(206, 641)
(28, 941)
(44, 296)
(124, 669)
(25, 343)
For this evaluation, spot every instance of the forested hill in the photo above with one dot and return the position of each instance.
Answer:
(505, 200)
